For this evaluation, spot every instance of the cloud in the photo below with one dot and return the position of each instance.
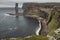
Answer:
(11, 3)
(29, 1)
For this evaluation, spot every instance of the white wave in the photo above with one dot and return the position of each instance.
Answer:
(38, 29)
(10, 28)
(7, 15)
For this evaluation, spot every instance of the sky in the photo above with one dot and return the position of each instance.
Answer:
(11, 3)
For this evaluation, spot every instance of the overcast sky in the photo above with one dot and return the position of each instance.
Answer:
(10, 3)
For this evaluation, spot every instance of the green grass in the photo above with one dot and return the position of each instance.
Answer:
(51, 33)
(37, 38)
(31, 38)
(31, 12)
(53, 25)
(19, 38)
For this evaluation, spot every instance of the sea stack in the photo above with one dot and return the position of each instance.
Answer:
(16, 10)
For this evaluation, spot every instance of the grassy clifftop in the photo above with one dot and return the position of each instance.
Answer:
(37, 38)
(54, 23)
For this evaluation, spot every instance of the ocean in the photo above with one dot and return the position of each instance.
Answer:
(10, 26)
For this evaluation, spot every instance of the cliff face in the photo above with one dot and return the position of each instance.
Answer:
(40, 13)
(54, 22)
(52, 16)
